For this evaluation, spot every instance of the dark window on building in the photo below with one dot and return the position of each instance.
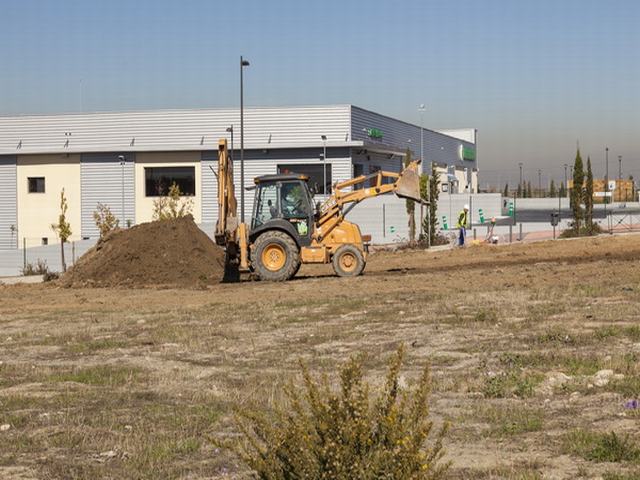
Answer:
(314, 172)
(36, 184)
(358, 170)
(158, 180)
(45, 241)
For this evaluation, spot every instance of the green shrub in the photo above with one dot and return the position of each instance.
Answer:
(601, 447)
(348, 434)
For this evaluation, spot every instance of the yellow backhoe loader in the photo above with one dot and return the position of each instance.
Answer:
(286, 228)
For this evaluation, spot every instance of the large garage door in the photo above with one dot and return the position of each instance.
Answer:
(105, 179)
(8, 203)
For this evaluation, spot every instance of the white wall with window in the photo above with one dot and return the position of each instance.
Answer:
(40, 180)
(156, 172)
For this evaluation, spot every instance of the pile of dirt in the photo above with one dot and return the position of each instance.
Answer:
(165, 253)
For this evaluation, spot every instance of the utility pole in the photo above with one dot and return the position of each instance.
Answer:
(539, 183)
(520, 165)
(243, 63)
(606, 181)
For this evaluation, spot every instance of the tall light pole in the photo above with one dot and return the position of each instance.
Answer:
(620, 177)
(324, 164)
(539, 183)
(566, 187)
(243, 63)
(421, 109)
(521, 187)
(122, 162)
(606, 181)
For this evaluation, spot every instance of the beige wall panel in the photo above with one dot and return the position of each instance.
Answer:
(37, 211)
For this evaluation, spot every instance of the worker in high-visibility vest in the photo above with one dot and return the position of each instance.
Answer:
(463, 220)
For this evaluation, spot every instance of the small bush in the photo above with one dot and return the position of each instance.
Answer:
(105, 219)
(347, 434)
(602, 447)
(172, 206)
(585, 231)
(40, 268)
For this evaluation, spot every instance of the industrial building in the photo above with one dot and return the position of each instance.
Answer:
(126, 160)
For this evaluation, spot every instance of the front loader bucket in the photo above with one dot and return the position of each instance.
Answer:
(408, 185)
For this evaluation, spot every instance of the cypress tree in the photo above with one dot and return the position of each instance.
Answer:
(577, 194)
(529, 191)
(505, 193)
(588, 198)
(562, 191)
(519, 192)
(552, 189)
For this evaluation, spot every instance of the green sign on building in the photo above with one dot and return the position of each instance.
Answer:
(374, 133)
(467, 153)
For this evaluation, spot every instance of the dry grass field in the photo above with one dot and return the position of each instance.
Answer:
(534, 349)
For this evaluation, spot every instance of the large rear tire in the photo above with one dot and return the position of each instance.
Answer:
(348, 261)
(276, 256)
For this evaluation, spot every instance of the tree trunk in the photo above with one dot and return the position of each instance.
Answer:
(64, 264)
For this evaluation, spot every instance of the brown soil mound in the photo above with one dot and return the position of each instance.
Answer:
(166, 253)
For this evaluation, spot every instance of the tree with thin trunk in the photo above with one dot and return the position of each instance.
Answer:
(577, 194)
(434, 195)
(588, 199)
(63, 227)
(552, 189)
(411, 205)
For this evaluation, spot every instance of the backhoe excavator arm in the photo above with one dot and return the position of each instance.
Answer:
(405, 184)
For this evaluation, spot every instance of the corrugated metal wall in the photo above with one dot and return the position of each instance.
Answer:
(259, 162)
(8, 202)
(101, 177)
(398, 136)
(167, 130)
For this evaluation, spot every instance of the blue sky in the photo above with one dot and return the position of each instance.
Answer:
(533, 76)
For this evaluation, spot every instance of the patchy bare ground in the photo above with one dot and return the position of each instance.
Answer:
(534, 349)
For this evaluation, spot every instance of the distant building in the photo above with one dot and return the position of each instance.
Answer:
(128, 159)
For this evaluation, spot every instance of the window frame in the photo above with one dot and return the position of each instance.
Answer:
(44, 185)
(165, 189)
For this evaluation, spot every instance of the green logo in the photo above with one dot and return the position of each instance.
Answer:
(374, 133)
(467, 153)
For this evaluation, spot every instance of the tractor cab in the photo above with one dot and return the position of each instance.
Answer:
(283, 202)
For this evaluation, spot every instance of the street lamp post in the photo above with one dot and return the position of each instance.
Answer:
(619, 177)
(421, 109)
(122, 162)
(243, 63)
(521, 187)
(539, 183)
(606, 181)
(324, 164)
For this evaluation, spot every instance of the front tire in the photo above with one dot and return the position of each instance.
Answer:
(276, 256)
(348, 261)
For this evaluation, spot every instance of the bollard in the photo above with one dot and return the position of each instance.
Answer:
(510, 233)
(474, 234)
(24, 253)
(520, 234)
(445, 225)
(481, 215)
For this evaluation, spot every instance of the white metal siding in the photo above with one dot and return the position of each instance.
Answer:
(258, 162)
(169, 130)
(398, 136)
(101, 182)
(8, 202)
